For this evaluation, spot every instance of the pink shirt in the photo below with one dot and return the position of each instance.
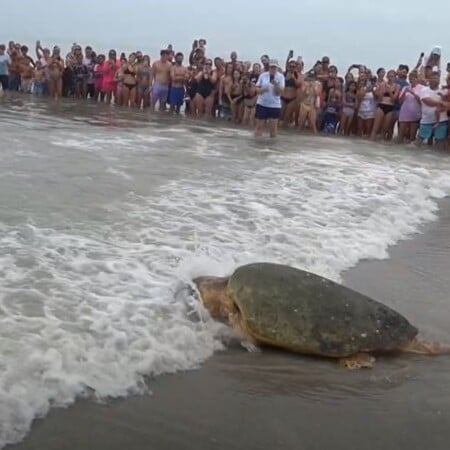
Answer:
(109, 72)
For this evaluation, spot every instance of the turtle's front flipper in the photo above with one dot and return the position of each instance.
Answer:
(358, 361)
(235, 321)
(426, 348)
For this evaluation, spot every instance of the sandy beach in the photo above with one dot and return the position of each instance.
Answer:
(272, 400)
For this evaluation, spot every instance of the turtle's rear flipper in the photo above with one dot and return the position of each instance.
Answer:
(427, 348)
(358, 361)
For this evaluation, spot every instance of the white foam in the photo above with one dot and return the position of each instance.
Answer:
(96, 307)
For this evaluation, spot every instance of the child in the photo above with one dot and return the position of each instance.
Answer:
(332, 112)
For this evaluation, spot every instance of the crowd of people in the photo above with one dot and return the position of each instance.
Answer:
(362, 102)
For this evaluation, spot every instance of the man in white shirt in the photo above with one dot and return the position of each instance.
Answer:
(434, 121)
(4, 67)
(270, 86)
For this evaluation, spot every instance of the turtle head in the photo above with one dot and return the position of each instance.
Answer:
(215, 297)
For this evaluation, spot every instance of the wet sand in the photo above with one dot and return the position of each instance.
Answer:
(279, 401)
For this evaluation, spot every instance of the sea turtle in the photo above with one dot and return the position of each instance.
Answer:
(294, 310)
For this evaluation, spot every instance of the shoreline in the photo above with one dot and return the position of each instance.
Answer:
(123, 115)
(274, 400)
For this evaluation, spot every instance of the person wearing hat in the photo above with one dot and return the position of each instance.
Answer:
(269, 87)
(432, 63)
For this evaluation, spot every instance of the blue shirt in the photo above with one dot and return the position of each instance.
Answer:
(4, 60)
(269, 99)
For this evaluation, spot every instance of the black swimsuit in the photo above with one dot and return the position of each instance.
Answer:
(386, 108)
(205, 87)
(129, 85)
(290, 83)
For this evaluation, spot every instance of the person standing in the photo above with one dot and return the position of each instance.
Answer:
(270, 86)
(179, 76)
(434, 121)
(5, 61)
(160, 81)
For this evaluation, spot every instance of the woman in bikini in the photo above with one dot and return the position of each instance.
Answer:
(191, 90)
(206, 83)
(235, 96)
(290, 100)
(143, 77)
(55, 69)
(386, 93)
(349, 103)
(250, 96)
(127, 77)
(224, 85)
(308, 105)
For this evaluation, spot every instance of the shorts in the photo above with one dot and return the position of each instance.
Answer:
(4, 82)
(91, 90)
(39, 88)
(386, 108)
(306, 108)
(26, 84)
(437, 130)
(330, 123)
(14, 82)
(348, 111)
(265, 113)
(366, 115)
(160, 92)
(143, 89)
(176, 96)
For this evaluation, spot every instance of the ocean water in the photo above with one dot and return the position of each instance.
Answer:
(107, 214)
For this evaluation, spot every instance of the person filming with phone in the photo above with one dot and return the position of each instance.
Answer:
(269, 87)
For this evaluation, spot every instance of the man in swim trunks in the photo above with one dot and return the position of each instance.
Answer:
(26, 70)
(433, 125)
(14, 81)
(161, 71)
(178, 75)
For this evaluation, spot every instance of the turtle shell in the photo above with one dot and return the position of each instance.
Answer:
(299, 311)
